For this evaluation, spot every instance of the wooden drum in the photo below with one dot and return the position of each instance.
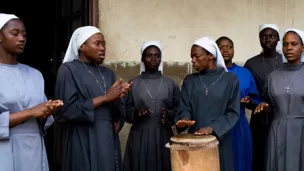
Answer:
(191, 152)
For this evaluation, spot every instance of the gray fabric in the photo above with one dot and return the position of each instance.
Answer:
(220, 109)
(89, 142)
(145, 149)
(261, 68)
(285, 142)
(22, 146)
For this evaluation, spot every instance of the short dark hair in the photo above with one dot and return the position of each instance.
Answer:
(218, 41)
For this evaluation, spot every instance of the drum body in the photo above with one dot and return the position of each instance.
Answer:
(191, 152)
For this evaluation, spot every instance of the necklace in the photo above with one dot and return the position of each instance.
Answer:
(287, 88)
(206, 88)
(25, 94)
(153, 99)
(104, 82)
(265, 69)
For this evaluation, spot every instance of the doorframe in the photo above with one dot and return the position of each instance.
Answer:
(92, 7)
(94, 12)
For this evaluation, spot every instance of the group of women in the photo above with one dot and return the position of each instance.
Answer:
(93, 105)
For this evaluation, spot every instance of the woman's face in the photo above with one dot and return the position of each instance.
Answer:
(226, 48)
(293, 47)
(151, 58)
(200, 58)
(13, 36)
(94, 48)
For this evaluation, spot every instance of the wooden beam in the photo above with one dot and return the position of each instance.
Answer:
(94, 12)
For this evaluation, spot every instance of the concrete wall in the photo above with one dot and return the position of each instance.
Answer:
(178, 23)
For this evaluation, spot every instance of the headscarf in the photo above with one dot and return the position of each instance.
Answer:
(301, 34)
(79, 36)
(276, 28)
(209, 44)
(4, 18)
(144, 46)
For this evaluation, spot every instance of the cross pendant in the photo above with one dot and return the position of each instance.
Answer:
(287, 89)
(206, 92)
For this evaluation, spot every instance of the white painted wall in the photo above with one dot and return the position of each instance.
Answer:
(178, 23)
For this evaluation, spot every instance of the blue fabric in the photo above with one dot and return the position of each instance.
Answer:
(241, 133)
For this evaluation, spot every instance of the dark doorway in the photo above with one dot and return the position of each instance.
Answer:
(47, 40)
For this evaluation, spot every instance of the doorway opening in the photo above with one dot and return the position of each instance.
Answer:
(49, 26)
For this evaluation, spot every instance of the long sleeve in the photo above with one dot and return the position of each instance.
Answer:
(46, 123)
(173, 107)
(117, 109)
(119, 112)
(76, 108)
(267, 92)
(185, 107)
(4, 125)
(131, 115)
(50, 120)
(225, 123)
(253, 91)
(267, 116)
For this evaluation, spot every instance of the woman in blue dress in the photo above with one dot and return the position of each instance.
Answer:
(25, 111)
(241, 134)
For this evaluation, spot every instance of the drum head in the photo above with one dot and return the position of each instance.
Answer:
(195, 141)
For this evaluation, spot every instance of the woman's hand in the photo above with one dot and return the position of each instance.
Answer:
(246, 100)
(114, 92)
(184, 123)
(261, 107)
(117, 127)
(204, 131)
(46, 109)
(144, 111)
(125, 88)
(164, 115)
